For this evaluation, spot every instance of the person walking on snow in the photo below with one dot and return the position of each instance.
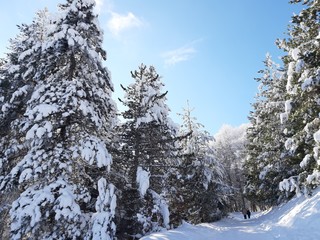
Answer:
(244, 212)
(248, 213)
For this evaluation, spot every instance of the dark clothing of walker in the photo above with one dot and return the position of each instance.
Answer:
(248, 213)
(244, 212)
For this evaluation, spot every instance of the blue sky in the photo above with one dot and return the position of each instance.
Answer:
(207, 51)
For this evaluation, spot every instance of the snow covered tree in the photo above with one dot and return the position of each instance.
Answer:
(303, 73)
(18, 68)
(266, 164)
(148, 137)
(58, 158)
(229, 146)
(199, 189)
(16, 86)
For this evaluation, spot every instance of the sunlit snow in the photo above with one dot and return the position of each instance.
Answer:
(299, 219)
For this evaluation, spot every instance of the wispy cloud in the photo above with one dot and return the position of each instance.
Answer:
(181, 54)
(119, 23)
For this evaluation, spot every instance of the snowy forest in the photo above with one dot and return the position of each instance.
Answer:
(74, 167)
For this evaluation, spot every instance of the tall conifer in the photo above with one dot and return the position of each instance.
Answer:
(65, 130)
(303, 81)
(200, 191)
(266, 165)
(148, 136)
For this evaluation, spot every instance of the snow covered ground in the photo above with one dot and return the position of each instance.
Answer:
(298, 219)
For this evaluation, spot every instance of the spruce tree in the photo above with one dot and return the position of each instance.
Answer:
(302, 68)
(266, 165)
(16, 85)
(200, 190)
(18, 68)
(148, 137)
(64, 133)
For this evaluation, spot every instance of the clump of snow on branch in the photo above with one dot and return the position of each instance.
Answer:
(285, 115)
(41, 111)
(36, 204)
(314, 178)
(38, 131)
(291, 145)
(93, 150)
(290, 185)
(143, 180)
(161, 206)
(104, 227)
(295, 53)
(265, 171)
(305, 161)
(316, 136)
(21, 91)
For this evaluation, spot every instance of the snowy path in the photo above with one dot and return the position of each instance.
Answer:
(297, 220)
(227, 229)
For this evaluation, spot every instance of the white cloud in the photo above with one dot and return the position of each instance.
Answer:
(118, 23)
(178, 55)
(99, 4)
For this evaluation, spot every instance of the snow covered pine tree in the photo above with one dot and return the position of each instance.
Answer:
(16, 87)
(266, 165)
(199, 179)
(302, 64)
(59, 160)
(148, 137)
